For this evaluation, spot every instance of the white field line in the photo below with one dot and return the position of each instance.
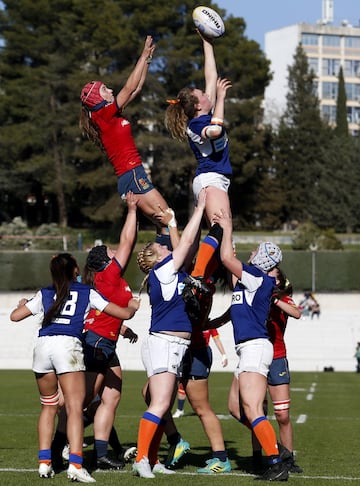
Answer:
(233, 473)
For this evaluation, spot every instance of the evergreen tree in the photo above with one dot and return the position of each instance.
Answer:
(53, 47)
(342, 127)
(300, 144)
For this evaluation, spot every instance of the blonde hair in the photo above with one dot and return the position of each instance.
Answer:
(146, 260)
(178, 113)
(147, 257)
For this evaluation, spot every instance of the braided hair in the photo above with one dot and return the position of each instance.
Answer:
(146, 260)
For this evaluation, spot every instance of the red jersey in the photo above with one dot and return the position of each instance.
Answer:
(276, 325)
(111, 285)
(117, 139)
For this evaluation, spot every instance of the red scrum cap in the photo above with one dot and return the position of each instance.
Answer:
(90, 94)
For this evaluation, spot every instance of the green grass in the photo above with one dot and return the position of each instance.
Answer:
(327, 443)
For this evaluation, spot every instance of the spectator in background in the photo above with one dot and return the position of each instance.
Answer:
(357, 356)
(309, 305)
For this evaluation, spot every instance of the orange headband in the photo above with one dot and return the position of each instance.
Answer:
(173, 102)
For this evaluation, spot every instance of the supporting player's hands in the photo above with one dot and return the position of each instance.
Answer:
(201, 202)
(131, 201)
(223, 219)
(166, 217)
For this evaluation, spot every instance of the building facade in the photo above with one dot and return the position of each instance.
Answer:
(327, 48)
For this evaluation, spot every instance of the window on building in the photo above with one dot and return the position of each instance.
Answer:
(352, 68)
(329, 90)
(330, 67)
(310, 39)
(352, 91)
(331, 40)
(328, 113)
(351, 41)
(314, 64)
(353, 114)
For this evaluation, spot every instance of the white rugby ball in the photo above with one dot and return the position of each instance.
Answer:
(209, 22)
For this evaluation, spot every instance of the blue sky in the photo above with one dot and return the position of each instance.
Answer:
(264, 15)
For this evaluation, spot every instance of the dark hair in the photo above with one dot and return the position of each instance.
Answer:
(284, 287)
(96, 261)
(63, 269)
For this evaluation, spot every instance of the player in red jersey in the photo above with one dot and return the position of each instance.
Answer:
(102, 120)
(282, 307)
(104, 269)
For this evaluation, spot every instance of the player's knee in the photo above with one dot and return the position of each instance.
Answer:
(282, 411)
(52, 400)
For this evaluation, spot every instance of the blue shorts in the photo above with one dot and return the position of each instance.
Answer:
(279, 373)
(99, 353)
(135, 180)
(196, 364)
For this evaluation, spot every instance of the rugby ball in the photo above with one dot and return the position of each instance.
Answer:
(209, 22)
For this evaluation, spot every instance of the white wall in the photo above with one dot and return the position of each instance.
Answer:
(312, 344)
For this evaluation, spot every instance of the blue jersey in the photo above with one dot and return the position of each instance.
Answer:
(250, 304)
(167, 305)
(70, 321)
(211, 155)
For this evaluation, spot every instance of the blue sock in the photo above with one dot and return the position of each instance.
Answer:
(222, 455)
(101, 448)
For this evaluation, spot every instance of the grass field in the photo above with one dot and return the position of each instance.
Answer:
(325, 413)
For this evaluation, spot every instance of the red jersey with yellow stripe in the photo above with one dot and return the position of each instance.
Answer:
(117, 139)
(276, 325)
(111, 285)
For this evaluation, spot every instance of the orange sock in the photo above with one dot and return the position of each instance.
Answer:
(266, 436)
(147, 429)
(205, 253)
(155, 444)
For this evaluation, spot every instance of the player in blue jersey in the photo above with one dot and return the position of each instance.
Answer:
(253, 286)
(168, 338)
(58, 357)
(198, 116)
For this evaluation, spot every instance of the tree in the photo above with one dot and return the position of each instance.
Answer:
(53, 47)
(299, 148)
(342, 127)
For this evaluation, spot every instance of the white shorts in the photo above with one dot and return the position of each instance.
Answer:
(254, 355)
(210, 179)
(60, 354)
(163, 352)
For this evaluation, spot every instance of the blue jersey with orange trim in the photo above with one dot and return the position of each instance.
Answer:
(167, 305)
(211, 155)
(250, 304)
